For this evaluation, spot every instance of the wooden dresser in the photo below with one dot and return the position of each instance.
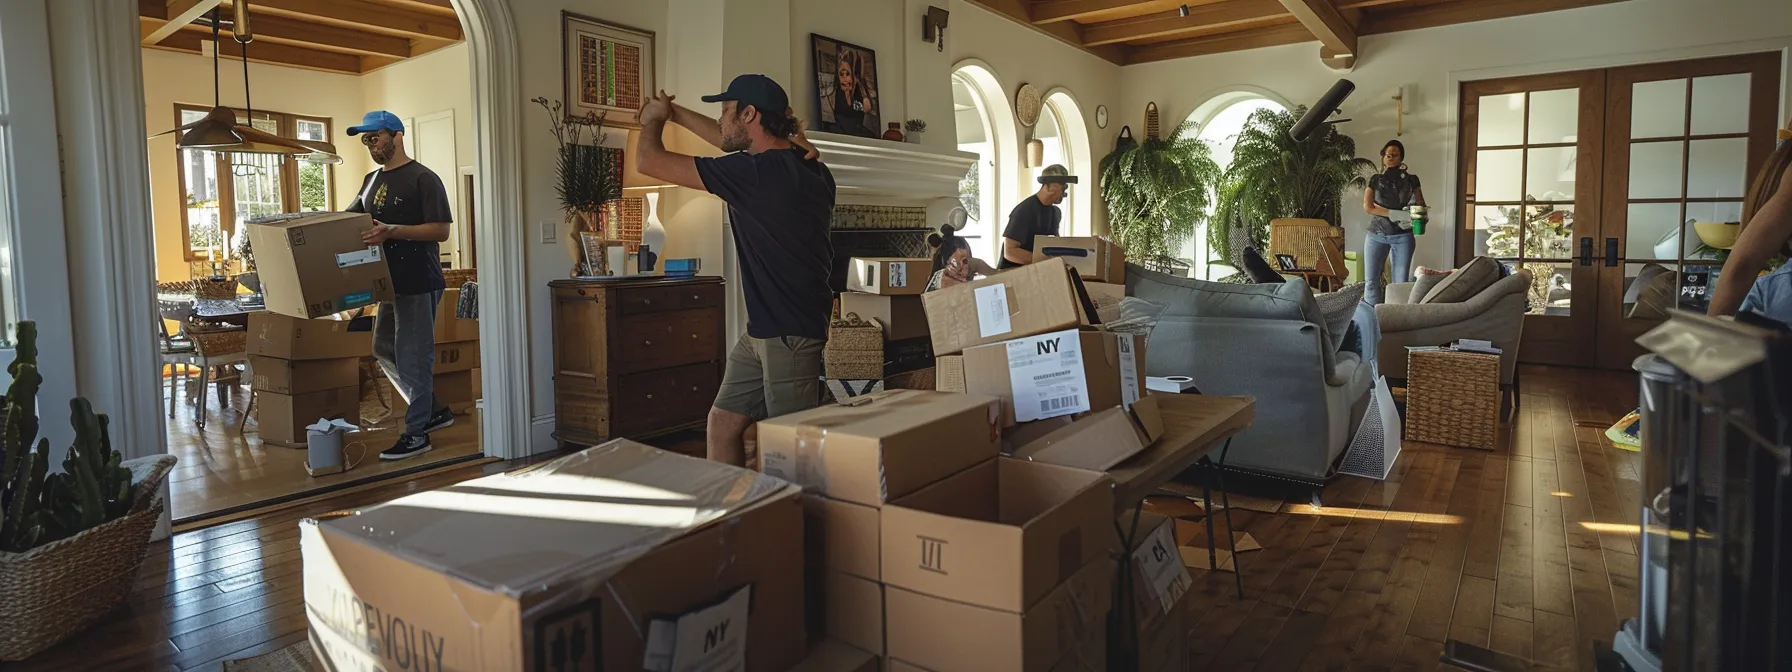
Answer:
(635, 358)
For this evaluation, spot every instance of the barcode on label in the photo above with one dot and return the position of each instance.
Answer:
(1058, 404)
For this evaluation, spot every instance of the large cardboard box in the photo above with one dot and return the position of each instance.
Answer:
(451, 329)
(1033, 299)
(830, 655)
(889, 276)
(847, 608)
(1107, 299)
(946, 635)
(451, 357)
(314, 264)
(285, 337)
(881, 446)
(282, 418)
(843, 536)
(1000, 535)
(593, 556)
(299, 376)
(1057, 374)
(1097, 259)
(1159, 597)
(1098, 441)
(902, 316)
(458, 390)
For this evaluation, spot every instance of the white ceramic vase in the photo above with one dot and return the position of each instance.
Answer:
(653, 233)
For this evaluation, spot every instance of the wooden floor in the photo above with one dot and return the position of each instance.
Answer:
(222, 468)
(1530, 550)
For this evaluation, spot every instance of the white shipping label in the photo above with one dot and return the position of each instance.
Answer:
(1047, 376)
(1160, 562)
(358, 257)
(1129, 370)
(992, 311)
(898, 274)
(706, 640)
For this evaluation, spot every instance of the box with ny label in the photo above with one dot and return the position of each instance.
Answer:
(314, 264)
(1050, 375)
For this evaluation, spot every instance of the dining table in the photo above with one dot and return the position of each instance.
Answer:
(229, 311)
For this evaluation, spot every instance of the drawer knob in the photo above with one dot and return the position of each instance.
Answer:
(649, 396)
(646, 302)
(647, 343)
(696, 297)
(693, 388)
(693, 337)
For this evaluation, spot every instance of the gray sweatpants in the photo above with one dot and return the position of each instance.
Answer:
(404, 342)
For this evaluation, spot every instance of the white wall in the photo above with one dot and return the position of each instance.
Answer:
(439, 81)
(1432, 63)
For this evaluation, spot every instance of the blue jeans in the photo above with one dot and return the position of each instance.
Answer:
(404, 342)
(1376, 247)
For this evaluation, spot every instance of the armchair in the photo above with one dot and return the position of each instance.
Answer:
(1494, 314)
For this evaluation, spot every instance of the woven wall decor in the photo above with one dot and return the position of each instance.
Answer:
(1027, 104)
(1153, 129)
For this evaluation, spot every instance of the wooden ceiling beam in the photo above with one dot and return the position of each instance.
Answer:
(1321, 18)
(1070, 33)
(1054, 11)
(366, 16)
(332, 38)
(178, 14)
(1431, 16)
(1253, 38)
(194, 38)
(1241, 13)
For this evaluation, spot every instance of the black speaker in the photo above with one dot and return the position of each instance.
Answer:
(1321, 110)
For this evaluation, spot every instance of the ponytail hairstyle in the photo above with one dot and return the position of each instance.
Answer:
(945, 243)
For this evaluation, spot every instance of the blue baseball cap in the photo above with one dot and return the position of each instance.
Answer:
(377, 120)
(756, 90)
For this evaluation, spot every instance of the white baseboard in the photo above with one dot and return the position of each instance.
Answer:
(541, 434)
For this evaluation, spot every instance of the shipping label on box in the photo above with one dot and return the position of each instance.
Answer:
(702, 640)
(902, 316)
(285, 337)
(314, 264)
(1057, 374)
(286, 376)
(1097, 259)
(1026, 301)
(881, 445)
(889, 276)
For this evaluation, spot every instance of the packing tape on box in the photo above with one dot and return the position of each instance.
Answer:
(811, 438)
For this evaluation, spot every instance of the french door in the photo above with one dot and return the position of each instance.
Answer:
(1615, 188)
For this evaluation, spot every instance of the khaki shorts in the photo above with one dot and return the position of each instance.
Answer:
(770, 377)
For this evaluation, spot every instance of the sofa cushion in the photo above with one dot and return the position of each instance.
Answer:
(1423, 282)
(1338, 308)
(1190, 298)
(1258, 270)
(1464, 283)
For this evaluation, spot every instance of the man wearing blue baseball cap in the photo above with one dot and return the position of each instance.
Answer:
(780, 200)
(411, 216)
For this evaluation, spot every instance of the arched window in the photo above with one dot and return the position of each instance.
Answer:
(1218, 122)
(1066, 138)
(985, 127)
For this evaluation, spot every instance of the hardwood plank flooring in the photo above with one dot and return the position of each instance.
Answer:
(1491, 548)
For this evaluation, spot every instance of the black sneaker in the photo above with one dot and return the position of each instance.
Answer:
(443, 419)
(408, 446)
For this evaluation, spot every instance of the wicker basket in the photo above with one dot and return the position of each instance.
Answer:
(218, 341)
(1453, 398)
(1301, 238)
(855, 349)
(208, 288)
(455, 277)
(61, 588)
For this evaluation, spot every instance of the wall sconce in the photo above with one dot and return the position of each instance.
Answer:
(933, 26)
(1035, 153)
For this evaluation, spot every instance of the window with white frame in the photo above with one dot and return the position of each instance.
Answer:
(1218, 123)
(9, 296)
(222, 190)
(977, 191)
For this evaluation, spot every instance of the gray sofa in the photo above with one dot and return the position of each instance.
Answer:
(1494, 313)
(1266, 342)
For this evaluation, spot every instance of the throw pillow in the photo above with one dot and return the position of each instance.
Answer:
(1465, 282)
(1259, 270)
(1338, 308)
(1424, 280)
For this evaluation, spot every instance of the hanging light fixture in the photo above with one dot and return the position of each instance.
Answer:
(219, 130)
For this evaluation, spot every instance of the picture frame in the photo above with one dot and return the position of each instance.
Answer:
(607, 69)
(1287, 262)
(854, 110)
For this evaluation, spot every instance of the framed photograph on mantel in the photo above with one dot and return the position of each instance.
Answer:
(608, 69)
(846, 88)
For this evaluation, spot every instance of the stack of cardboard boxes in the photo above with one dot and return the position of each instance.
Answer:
(304, 370)
(457, 355)
(888, 289)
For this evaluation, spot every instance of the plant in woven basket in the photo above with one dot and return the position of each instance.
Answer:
(1272, 176)
(40, 507)
(1157, 192)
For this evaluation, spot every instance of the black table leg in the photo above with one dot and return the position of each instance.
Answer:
(1226, 504)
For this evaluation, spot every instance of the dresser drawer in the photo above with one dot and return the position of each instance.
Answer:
(661, 340)
(657, 399)
(639, 300)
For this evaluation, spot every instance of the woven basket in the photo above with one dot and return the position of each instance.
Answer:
(1453, 398)
(455, 277)
(61, 588)
(218, 341)
(855, 349)
(1301, 238)
(207, 288)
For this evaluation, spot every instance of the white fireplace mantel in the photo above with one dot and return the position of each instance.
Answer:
(891, 173)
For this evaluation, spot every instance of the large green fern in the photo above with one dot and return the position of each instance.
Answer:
(1158, 192)
(1273, 177)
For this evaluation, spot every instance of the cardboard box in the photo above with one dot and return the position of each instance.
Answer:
(1033, 299)
(889, 276)
(881, 446)
(1097, 259)
(451, 357)
(1106, 298)
(830, 655)
(289, 376)
(843, 536)
(451, 329)
(282, 418)
(946, 635)
(848, 608)
(1160, 592)
(314, 264)
(1000, 535)
(902, 316)
(501, 572)
(1098, 441)
(458, 390)
(284, 337)
(1056, 374)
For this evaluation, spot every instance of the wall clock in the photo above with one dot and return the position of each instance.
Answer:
(1101, 116)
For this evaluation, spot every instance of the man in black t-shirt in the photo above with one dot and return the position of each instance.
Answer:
(780, 201)
(1036, 215)
(411, 216)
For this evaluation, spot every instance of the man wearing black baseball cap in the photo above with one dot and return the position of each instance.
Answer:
(780, 201)
(1035, 216)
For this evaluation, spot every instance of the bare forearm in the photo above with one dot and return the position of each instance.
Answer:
(1764, 236)
(654, 160)
(696, 122)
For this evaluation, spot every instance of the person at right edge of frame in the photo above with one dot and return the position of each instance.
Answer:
(1037, 215)
(780, 200)
(1387, 198)
(411, 217)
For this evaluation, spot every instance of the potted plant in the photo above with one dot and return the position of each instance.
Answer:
(70, 543)
(587, 176)
(1274, 177)
(1157, 192)
(914, 128)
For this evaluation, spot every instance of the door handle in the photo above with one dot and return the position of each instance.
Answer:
(1611, 252)
(1586, 251)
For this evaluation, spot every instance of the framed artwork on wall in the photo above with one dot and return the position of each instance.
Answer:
(846, 88)
(608, 69)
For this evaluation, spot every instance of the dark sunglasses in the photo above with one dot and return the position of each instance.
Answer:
(371, 139)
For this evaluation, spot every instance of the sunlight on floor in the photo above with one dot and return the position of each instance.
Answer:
(1347, 512)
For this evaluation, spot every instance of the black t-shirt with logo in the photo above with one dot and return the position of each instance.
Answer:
(780, 205)
(407, 196)
(1392, 189)
(1031, 218)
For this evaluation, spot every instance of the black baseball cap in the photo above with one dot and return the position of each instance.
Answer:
(756, 90)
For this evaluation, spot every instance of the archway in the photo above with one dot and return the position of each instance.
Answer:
(985, 126)
(1218, 122)
(1068, 144)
